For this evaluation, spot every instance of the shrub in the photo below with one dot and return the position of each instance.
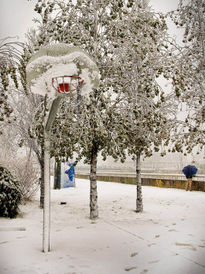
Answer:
(10, 194)
(28, 177)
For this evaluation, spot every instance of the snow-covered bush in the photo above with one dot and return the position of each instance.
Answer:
(10, 194)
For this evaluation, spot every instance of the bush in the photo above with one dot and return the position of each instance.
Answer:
(10, 194)
(27, 176)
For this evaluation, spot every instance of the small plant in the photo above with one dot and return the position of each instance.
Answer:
(10, 194)
(28, 177)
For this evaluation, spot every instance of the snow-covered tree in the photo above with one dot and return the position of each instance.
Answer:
(24, 108)
(10, 56)
(189, 77)
(97, 134)
(143, 53)
(92, 40)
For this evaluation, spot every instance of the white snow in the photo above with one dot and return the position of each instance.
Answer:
(46, 61)
(42, 68)
(168, 237)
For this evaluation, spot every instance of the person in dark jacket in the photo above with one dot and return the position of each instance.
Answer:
(189, 171)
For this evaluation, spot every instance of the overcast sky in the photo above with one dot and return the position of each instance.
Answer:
(16, 16)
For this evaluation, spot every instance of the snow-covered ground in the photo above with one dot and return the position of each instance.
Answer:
(168, 237)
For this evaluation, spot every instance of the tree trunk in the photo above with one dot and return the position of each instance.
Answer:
(57, 175)
(139, 204)
(93, 185)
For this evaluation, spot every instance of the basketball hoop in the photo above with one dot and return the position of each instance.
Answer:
(66, 83)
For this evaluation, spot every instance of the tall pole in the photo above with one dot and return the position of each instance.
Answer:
(47, 189)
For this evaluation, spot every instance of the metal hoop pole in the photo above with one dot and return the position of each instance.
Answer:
(46, 207)
(47, 189)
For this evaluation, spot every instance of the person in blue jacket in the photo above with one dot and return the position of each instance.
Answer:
(71, 174)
